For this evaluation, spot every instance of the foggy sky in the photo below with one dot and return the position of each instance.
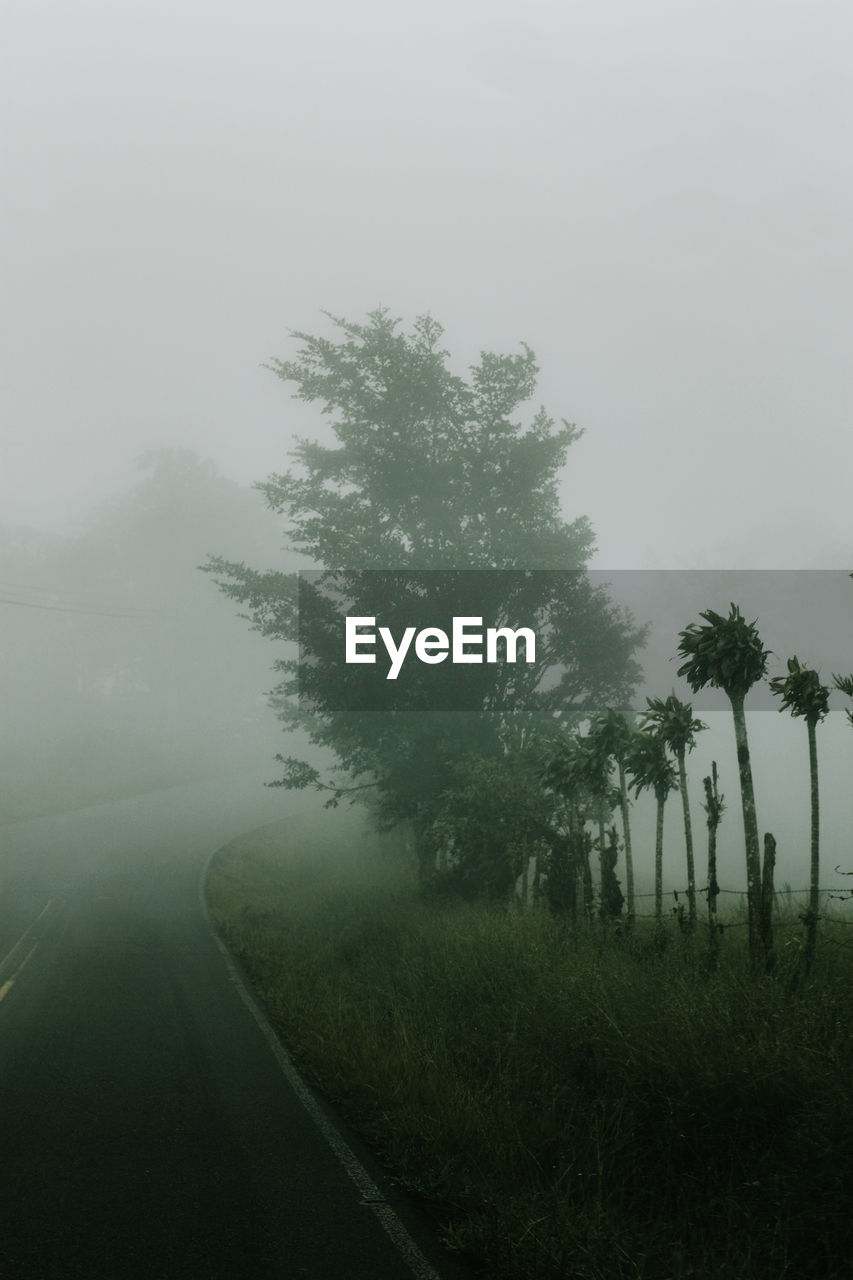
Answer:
(656, 197)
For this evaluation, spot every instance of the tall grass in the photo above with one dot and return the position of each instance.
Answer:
(577, 1105)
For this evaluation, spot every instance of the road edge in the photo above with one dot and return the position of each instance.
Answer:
(371, 1195)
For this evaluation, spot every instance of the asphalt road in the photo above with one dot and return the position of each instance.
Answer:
(147, 1128)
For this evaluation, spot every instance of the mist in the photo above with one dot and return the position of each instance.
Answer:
(593, 263)
(123, 668)
(656, 199)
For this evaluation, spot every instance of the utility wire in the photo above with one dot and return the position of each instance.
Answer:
(138, 615)
(58, 602)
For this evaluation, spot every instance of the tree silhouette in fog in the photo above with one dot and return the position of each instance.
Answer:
(420, 470)
(727, 653)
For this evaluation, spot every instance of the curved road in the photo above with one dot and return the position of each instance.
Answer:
(147, 1128)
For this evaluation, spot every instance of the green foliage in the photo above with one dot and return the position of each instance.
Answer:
(610, 733)
(612, 898)
(570, 1109)
(488, 822)
(714, 802)
(650, 767)
(727, 653)
(845, 685)
(802, 692)
(672, 720)
(575, 768)
(429, 471)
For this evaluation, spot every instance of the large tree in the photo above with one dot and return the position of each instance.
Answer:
(427, 471)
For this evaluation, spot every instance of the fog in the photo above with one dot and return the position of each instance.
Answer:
(123, 669)
(656, 197)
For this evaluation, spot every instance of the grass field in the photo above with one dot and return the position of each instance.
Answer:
(573, 1104)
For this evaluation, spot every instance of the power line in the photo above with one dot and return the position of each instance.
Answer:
(138, 615)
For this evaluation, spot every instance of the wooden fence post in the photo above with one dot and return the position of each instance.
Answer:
(766, 918)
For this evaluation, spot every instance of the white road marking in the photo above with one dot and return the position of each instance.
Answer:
(371, 1195)
(10, 982)
(10, 954)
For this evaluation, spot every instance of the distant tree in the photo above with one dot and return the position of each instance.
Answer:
(595, 774)
(844, 684)
(803, 695)
(673, 721)
(651, 770)
(727, 653)
(120, 667)
(567, 771)
(610, 734)
(484, 824)
(561, 883)
(612, 898)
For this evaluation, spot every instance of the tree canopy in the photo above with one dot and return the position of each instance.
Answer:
(429, 471)
(429, 474)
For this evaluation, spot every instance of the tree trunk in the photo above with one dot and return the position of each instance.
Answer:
(659, 861)
(713, 890)
(688, 840)
(814, 881)
(626, 835)
(602, 850)
(713, 885)
(584, 846)
(525, 879)
(561, 887)
(573, 863)
(767, 901)
(424, 853)
(612, 899)
(750, 829)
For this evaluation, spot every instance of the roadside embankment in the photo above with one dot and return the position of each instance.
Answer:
(572, 1104)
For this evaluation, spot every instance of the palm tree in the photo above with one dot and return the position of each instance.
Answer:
(595, 778)
(651, 770)
(673, 721)
(803, 695)
(566, 770)
(728, 654)
(845, 685)
(610, 734)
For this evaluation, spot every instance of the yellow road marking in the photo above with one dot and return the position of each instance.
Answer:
(10, 982)
(24, 935)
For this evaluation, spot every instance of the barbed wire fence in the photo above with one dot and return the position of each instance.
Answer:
(785, 897)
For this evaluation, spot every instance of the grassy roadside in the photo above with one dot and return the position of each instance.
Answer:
(577, 1107)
